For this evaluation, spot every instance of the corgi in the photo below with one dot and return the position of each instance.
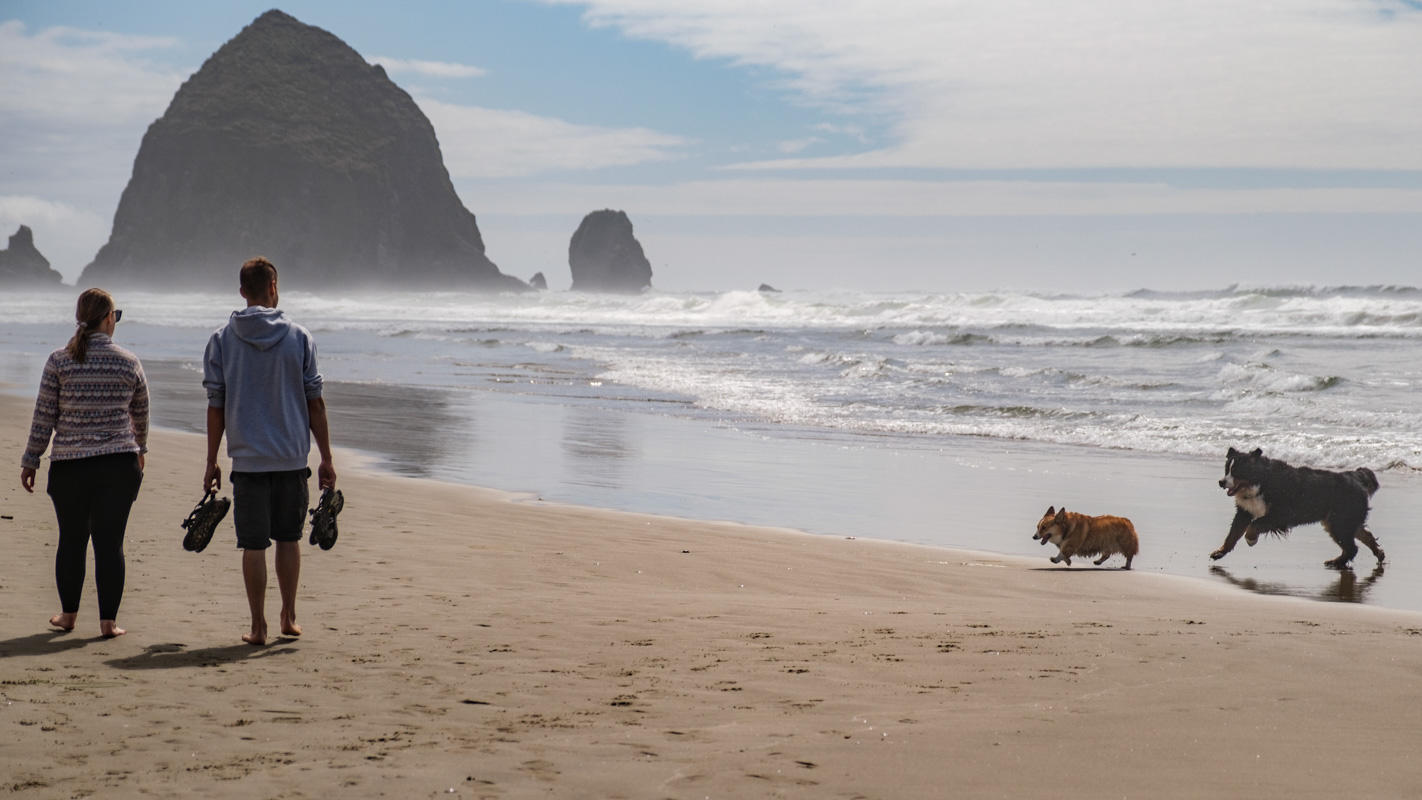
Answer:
(1079, 535)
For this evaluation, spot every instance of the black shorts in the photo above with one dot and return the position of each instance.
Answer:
(269, 506)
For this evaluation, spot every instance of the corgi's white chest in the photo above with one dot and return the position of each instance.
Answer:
(1252, 501)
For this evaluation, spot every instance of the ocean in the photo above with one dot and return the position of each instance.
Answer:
(849, 413)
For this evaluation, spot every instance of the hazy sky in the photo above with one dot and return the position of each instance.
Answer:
(1097, 145)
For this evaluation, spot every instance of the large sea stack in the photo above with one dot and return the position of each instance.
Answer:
(287, 144)
(604, 256)
(22, 265)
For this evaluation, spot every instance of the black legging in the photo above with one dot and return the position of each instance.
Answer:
(92, 497)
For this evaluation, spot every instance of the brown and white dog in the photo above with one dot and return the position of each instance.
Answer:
(1079, 535)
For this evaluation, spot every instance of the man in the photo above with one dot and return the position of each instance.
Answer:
(264, 392)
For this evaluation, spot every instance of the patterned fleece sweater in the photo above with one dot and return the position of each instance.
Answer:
(95, 408)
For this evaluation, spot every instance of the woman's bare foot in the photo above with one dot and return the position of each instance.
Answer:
(289, 626)
(64, 622)
(109, 629)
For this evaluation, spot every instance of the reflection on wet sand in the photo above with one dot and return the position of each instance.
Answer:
(597, 445)
(413, 429)
(178, 399)
(1347, 588)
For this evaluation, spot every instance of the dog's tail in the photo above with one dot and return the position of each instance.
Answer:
(1366, 477)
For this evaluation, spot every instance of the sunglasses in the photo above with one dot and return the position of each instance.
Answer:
(118, 314)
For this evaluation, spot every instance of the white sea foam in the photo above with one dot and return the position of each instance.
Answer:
(1343, 312)
(1325, 376)
(1264, 377)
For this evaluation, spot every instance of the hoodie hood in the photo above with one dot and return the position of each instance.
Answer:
(259, 326)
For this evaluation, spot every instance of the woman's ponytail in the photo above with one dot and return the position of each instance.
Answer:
(89, 313)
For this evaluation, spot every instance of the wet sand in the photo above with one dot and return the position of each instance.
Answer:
(468, 643)
(906, 489)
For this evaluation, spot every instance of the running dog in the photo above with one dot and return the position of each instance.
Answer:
(1079, 535)
(1273, 497)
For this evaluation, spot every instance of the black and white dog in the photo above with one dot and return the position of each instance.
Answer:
(1272, 497)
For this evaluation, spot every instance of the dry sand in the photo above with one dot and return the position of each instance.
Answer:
(463, 643)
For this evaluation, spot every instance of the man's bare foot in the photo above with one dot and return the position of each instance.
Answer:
(64, 622)
(289, 626)
(109, 629)
(257, 637)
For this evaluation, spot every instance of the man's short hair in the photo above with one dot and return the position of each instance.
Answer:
(257, 274)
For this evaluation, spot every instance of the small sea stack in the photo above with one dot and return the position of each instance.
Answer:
(21, 264)
(604, 256)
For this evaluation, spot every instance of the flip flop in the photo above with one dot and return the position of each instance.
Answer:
(323, 518)
(201, 523)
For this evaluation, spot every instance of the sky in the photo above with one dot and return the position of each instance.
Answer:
(939, 145)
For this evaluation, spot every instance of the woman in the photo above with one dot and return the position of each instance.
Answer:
(94, 399)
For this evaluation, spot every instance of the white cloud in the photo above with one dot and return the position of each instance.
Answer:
(1042, 83)
(74, 107)
(73, 110)
(65, 75)
(488, 143)
(774, 197)
(798, 145)
(431, 69)
(853, 131)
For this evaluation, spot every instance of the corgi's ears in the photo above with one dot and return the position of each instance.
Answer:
(1050, 511)
(1258, 451)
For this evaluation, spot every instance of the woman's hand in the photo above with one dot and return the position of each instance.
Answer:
(140, 462)
(27, 479)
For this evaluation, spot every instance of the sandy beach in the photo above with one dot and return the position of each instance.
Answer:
(467, 643)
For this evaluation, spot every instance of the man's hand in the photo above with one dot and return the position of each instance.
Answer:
(27, 479)
(212, 479)
(326, 475)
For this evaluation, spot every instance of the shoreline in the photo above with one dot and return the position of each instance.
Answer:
(464, 642)
(629, 459)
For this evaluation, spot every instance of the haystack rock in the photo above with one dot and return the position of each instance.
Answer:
(604, 256)
(22, 265)
(287, 144)
(538, 281)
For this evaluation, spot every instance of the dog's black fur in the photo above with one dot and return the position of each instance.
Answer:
(1272, 497)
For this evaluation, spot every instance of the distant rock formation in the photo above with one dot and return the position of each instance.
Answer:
(22, 265)
(765, 287)
(538, 281)
(287, 144)
(604, 256)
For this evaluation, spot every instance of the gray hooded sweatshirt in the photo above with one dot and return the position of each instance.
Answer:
(260, 369)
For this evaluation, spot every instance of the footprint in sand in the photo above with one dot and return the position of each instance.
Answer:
(538, 768)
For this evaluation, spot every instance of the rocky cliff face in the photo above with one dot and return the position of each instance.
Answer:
(287, 144)
(22, 265)
(604, 256)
